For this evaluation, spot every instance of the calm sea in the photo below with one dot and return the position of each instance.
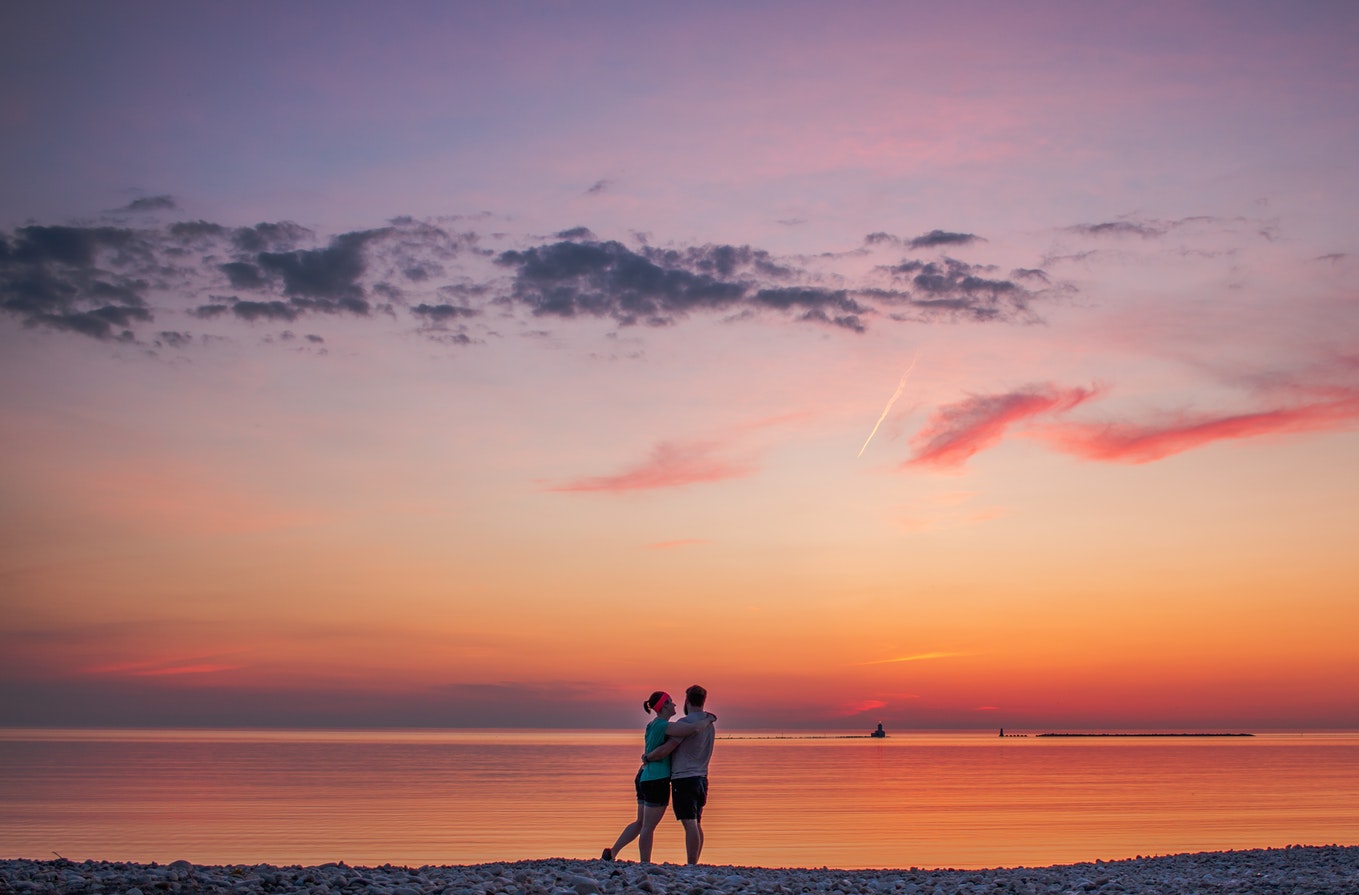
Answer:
(961, 800)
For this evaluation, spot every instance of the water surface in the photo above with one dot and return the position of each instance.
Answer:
(440, 797)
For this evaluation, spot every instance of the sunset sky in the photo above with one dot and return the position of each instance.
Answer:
(495, 364)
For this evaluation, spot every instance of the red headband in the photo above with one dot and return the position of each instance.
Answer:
(660, 701)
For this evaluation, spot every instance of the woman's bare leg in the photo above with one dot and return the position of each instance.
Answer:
(630, 832)
(651, 818)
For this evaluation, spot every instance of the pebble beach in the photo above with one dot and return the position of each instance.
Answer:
(1295, 870)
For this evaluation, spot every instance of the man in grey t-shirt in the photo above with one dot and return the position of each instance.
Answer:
(690, 750)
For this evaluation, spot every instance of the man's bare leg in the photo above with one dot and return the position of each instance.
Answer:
(693, 840)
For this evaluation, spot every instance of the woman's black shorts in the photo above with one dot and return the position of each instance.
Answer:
(653, 792)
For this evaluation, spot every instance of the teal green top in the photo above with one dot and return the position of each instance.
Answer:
(655, 735)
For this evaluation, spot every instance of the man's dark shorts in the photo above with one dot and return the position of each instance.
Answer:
(653, 792)
(691, 794)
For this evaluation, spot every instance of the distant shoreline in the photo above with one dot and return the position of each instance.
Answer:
(1008, 736)
(799, 736)
(1142, 735)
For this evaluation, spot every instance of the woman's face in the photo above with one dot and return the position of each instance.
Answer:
(667, 709)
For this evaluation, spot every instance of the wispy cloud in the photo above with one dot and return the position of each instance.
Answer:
(1118, 228)
(956, 432)
(166, 667)
(918, 657)
(1146, 442)
(1152, 229)
(670, 465)
(150, 203)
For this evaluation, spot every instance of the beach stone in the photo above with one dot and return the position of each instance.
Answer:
(1330, 870)
(584, 885)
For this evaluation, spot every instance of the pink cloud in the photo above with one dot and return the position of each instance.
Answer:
(671, 465)
(1132, 443)
(858, 707)
(918, 657)
(957, 431)
(186, 669)
(164, 669)
(672, 545)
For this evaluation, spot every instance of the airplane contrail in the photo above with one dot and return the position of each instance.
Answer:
(886, 410)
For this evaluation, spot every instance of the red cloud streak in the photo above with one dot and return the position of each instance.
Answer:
(850, 709)
(957, 431)
(669, 466)
(1144, 444)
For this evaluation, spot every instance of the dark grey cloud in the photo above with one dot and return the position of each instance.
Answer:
(109, 282)
(107, 322)
(173, 339)
(954, 288)
(443, 313)
(75, 246)
(212, 311)
(329, 277)
(151, 203)
(936, 238)
(816, 305)
(606, 279)
(265, 310)
(194, 231)
(270, 237)
(466, 291)
(67, 278)
(244, 275)
(422, 272)
(1118, 228)
(721, 260)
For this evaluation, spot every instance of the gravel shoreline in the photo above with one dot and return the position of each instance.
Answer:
(1295, 870)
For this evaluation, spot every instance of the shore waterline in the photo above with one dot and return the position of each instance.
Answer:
(1296, 869)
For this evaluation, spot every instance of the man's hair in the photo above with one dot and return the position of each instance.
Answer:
(696, 696)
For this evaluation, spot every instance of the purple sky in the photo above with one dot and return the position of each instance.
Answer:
(429, 362)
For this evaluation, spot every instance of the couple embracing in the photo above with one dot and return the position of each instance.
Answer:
(675, 761)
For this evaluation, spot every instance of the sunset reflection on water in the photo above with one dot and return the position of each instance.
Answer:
(438, 797)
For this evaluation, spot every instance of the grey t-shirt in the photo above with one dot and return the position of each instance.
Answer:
(690, 758)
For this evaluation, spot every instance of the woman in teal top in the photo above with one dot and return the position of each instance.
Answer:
(652, 783)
